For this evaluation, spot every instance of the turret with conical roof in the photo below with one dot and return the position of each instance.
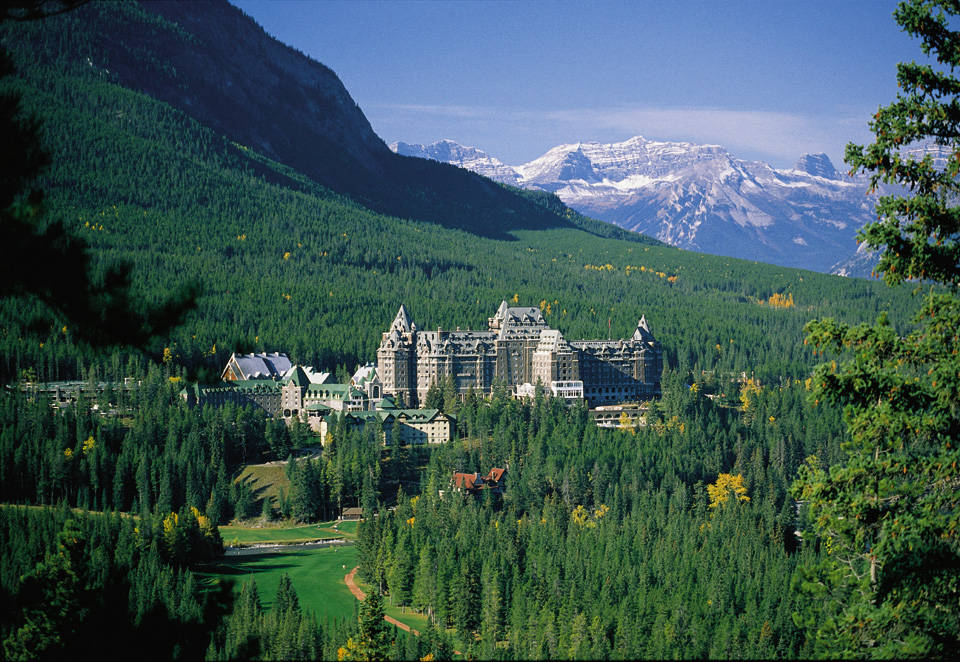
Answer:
(642, 332)
(402, 322)
(397, 358)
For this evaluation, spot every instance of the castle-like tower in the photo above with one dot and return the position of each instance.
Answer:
(517, 348)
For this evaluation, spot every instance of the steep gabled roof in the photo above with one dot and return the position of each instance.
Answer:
(313, 376)
(402, 321)
(643, 331)
(525, 315)
(297, 376)
(364, 374)
(420, 415)
(465, 481)
(366, 416)
(258, 366)
(387, 403)
(552, 341)
(495, 475)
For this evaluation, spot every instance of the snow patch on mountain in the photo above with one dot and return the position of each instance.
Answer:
(470, 158)
(697, 197)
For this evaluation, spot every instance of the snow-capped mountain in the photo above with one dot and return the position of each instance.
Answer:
(697, 197)
(471, 158)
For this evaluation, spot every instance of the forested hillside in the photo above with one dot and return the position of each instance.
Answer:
(621, 544)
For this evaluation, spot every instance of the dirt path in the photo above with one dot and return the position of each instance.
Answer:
(359, 595)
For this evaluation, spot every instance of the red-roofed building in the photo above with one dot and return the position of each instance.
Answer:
(495, 480)
(473, 483)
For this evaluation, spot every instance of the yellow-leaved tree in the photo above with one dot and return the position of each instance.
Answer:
(725, 486)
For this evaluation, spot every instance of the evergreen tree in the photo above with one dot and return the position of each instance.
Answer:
(425, 582)
(434, 397)
(374, 636)
(889, 512)
(243, 627)
(449, 396)
(286, 599)
(50, 606)
(305, 491)
(400, 572)
(244, 501)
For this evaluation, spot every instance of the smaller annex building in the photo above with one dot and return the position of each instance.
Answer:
(273, 383)
(475, 483)
(242, 367)
(403, 426)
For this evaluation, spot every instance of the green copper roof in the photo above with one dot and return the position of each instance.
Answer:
(421, 415)
(298, 377)
(388, 402)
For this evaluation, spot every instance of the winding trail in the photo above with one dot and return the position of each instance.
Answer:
(359, 595)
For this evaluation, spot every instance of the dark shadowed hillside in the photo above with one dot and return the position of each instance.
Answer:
(214, 63)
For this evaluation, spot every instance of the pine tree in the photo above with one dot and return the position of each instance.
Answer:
(374, 636)
(400, 571)
(434, 397)
(889, 513)
(425, 582)
(286, 599)
(243, 628)
(450, 397)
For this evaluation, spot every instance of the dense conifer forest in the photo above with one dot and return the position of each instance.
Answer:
(677, 538)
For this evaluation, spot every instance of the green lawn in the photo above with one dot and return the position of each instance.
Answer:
(349, 528)
(317, 576)
(286, 533)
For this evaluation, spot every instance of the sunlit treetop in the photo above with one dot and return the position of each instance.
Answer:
(917, 147)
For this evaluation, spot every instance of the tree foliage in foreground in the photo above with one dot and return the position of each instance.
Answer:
(98, 586)
(888, 515)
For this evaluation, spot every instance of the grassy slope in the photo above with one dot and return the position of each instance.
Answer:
(267, 481)
(285, 533)
(316, 574)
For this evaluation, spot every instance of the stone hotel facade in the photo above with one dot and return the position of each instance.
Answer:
(520, 350)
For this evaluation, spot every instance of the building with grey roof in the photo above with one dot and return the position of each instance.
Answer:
(518, 348)
(243, 367)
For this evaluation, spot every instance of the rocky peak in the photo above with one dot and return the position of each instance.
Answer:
(700, 197)
(576, 165)
(818, 165)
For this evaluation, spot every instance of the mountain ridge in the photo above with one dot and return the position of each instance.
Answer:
(213, 62)
(696, 197)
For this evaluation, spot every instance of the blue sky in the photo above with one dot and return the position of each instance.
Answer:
(767, 79)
